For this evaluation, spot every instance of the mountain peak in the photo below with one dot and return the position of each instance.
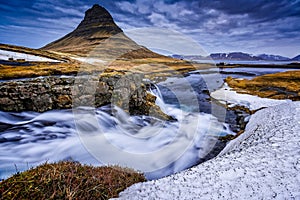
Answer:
(98, 35)
(97, 6)
(98, 12)
(97, 19)
(96, 26)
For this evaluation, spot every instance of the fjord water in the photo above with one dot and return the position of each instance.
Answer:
(28, 139)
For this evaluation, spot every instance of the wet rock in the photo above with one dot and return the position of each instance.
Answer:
(41, 94)
(63, 101)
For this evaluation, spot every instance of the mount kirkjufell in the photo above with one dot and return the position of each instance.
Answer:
(96, 44)
(98, 35)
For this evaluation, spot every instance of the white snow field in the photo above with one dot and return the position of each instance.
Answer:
(263, 163)
(5, 55)
(227, 95)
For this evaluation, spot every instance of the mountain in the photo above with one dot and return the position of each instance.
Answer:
(98, 35)
(233, 56)
(237, 56)
(188, 57)
(297, 58)
(272, 57)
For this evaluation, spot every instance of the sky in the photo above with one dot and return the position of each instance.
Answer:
(251, 26)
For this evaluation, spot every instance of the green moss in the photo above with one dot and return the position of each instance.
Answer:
(69, 180)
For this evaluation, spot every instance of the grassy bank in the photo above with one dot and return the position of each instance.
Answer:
(69, 180)
(151, 67)
(283, 85)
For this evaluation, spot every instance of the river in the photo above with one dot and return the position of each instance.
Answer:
(108, 135)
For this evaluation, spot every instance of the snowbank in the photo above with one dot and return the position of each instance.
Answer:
(264, 163)
(227, 95)
(5, 55)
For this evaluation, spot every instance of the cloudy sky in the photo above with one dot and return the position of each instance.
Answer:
(252, 26)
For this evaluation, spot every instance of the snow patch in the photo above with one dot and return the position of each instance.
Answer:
(232, 174)
(90, 60)
(227, 95)
(6, 55)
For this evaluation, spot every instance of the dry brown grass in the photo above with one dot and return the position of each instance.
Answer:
(69, 180)
(37, 69)
(156, 68)
(153, 68)
(284, 85)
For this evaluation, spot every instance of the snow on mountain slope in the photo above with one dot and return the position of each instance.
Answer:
(5, 55)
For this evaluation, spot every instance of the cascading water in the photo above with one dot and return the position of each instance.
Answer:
(28, 138)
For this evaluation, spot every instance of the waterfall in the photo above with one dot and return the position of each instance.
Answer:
(108, 135)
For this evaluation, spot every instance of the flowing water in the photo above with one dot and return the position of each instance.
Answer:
(28, 138)
(108, 135)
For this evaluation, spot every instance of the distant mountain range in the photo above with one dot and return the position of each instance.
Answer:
(297, 58)
(237, 56)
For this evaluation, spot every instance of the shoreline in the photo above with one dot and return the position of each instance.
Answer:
(282, 85)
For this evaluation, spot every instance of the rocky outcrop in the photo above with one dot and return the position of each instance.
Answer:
(42, 94)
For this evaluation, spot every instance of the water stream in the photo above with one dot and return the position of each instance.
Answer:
(108, 135)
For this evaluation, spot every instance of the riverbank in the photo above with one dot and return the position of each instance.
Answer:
(69, 180)
(283, 85)
(262, 163)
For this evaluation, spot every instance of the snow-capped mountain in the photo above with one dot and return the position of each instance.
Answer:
(273, 57)
(233, 56)
(297, 58)
(238, 56)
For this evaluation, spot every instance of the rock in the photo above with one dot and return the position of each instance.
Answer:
(63, 101)
(42, 94)
(102, 88)
(7, 104)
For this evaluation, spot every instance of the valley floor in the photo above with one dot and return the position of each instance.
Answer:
(263, 163)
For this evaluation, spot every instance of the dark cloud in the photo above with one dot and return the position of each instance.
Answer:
(254, 26)
(259, 9)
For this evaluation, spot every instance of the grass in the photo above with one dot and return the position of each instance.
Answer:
(37, 69)
(141, 60)
(283, 85)
(152, 68)
(69, 180)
